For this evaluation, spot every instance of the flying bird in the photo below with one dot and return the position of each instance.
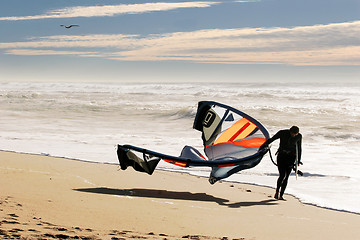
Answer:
(70, 26)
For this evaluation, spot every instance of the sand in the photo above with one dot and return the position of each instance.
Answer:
(44, 197)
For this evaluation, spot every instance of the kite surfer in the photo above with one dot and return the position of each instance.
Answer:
(288, 155)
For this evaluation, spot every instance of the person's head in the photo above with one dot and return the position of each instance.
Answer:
(294, 130)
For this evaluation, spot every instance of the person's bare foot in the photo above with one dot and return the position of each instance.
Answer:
(276, 195)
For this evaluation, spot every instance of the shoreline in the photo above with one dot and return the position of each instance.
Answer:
(186, 173)
(53, 198)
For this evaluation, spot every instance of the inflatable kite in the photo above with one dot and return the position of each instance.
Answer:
(231, 139)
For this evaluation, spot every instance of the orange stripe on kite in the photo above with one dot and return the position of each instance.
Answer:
(226, 165)
(251, 143)
(239, 130)
(231, 131)
(246, 132)
(177, 163)
(248, 143)
(203, 156)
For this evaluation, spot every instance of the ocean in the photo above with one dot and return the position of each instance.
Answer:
(86, 121)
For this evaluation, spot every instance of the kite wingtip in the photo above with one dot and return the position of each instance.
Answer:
(212, 180)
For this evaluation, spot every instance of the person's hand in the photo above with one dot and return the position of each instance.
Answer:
(263, 146)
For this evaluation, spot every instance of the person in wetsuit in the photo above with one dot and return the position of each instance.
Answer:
(290, 139)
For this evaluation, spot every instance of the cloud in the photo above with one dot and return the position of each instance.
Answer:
(330, 44)
(110, 10)
(35, 52)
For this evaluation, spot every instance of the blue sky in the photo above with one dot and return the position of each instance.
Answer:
(168, 41)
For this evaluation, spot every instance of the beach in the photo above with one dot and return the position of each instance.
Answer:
(86, 121)
(45, 197)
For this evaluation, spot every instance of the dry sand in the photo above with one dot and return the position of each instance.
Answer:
(54, 198)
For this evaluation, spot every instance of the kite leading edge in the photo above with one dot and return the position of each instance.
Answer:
(231, 139)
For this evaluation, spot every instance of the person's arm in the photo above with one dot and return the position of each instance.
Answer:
(270, 140)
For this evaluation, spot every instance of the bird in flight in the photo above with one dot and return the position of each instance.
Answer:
(70, 26)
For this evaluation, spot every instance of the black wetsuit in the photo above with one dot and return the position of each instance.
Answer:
(286, 156)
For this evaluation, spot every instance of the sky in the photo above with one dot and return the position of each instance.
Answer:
(180, 41)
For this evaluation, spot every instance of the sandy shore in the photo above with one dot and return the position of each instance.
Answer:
(53, 198)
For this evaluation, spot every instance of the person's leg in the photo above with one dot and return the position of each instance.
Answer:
(287, 171)
(282, 175)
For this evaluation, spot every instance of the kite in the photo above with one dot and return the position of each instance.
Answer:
(231, 140)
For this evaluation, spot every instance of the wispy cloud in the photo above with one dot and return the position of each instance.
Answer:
(247, 1)
(110, 10)
(331, 44)
(36, 52)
